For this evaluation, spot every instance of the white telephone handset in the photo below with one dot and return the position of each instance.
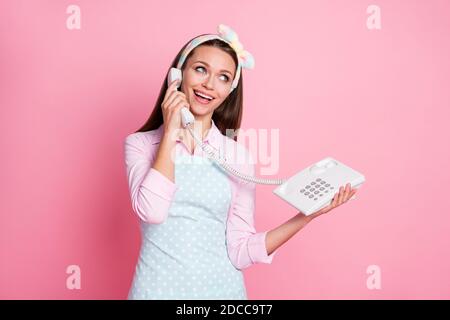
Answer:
(309, 190)
(187, 118)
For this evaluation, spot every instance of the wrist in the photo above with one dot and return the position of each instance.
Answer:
(169, 136)
(304, 217)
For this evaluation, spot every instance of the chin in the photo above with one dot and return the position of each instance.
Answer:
(200, 109)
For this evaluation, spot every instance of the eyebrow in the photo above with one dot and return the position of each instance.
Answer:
(210, 66)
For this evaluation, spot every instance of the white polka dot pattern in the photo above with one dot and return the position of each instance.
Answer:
(186, 257)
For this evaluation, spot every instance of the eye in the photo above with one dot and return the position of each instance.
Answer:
(227, 78)
(199, 67)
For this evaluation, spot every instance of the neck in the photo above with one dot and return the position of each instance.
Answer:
(203, 124)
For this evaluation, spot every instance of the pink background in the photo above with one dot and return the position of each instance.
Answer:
(377, 100)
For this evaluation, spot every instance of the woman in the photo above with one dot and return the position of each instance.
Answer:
(197, 222)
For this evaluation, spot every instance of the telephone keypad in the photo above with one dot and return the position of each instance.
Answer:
(316, 189)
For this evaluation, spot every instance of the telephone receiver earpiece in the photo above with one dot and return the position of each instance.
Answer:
(174, 74)
(187, 118)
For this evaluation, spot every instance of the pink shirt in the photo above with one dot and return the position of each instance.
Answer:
(151, 192)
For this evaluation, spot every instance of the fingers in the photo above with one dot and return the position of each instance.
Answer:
(171, 98)
(346, 192)
(171, 90)
(175, 108)
(327, 208)
(173, 85)
(175, 100)
(340, 196)
(182, 103)
(335, 200)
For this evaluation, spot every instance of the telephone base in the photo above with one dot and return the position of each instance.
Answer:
(314, 187)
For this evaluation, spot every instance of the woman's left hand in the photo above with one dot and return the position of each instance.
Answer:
(339, 198)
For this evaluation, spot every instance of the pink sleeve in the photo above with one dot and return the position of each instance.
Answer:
(245, 246)
(151, 192)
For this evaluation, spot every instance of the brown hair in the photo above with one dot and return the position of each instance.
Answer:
(227, 116)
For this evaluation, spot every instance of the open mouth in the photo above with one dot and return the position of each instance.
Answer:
(202, 98)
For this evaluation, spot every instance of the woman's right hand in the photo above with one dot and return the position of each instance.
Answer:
(173, 101)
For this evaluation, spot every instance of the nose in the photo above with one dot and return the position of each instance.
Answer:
(209, 83)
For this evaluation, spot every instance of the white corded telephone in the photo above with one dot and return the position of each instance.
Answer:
(309, 190)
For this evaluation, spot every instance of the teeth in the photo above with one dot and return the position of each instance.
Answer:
(202, 95)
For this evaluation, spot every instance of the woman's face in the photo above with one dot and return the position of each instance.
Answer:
(211, 71)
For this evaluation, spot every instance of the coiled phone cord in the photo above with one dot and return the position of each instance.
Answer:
(212, 155)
